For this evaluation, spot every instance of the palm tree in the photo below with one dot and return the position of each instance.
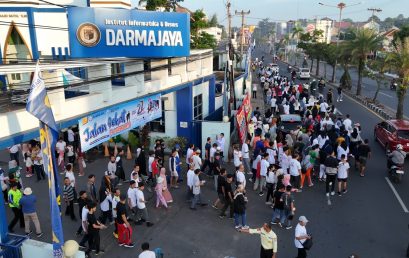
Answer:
(400, 60)
(366, 41)
(345, 58)
(296, 34)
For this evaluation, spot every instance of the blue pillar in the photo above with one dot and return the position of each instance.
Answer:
(184, 110)
(2, 77)
(33, 34)
(212, 95)
(3, 221)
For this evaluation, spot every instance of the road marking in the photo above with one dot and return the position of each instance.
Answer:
(397, 195)
(387, 95)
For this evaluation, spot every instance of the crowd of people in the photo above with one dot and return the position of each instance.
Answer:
(277, 163)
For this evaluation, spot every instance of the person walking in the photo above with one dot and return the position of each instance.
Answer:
(91, 190)
(14, 203)
(364, 153)
(69, 199)
(221, 183)
(159, 188)
(268, 240)
(28, 202)
(271, 181)
(343, 168)
(254, 91)
(14, 153)
(197, 183)
(339, 90)
(173, 170)
(239, 208)
(94, 226)
(82, 202)
(331, 170)
(301, 236)
(228, 197)
(142, 212)
(288, 208)
(246, 155)
(146, 253)
(106, 207)
(124, 228)
(295, 172)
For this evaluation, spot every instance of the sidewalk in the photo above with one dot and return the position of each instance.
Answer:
(259, 101)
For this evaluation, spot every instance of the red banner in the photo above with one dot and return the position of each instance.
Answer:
(247, 107)
(241, 124)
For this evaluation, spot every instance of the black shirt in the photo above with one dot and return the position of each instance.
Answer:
(364, 150)
(216, 167)
(221, 182)
(331, 162)
(278, 204)
(92, 220)
(228, 189)
(120, 210)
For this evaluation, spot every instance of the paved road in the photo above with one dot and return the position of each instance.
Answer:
(367, 220)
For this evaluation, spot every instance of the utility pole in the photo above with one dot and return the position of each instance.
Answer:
(242, 13)
(230, 63)
(374, 10)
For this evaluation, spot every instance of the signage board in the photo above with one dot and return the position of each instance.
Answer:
(105, 124)
(105, 32)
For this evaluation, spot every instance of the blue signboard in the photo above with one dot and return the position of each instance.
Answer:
(104, 32)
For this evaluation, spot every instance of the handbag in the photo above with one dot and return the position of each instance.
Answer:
(307, 244)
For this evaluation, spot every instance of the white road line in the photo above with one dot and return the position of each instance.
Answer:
(397, 195)
(387, 95)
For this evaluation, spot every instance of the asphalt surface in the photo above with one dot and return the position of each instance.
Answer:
(368, 220)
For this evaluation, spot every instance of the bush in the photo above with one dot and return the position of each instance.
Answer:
(171, 143)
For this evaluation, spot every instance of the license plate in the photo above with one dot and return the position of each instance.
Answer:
(400, 172)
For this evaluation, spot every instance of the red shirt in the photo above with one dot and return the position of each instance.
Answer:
(155, 168)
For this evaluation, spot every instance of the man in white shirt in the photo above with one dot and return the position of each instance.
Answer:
(71, 135)
(347, 124)
(237, 156)
(342, 175)
(295, 171)
(220, 142)
(150, 161)
(246, 155)
(301, 236)
(60, 145)
(84, 223)
(323, 108)
(142, 212)
(13, 151)
(196, 190)
(189, 180)
(263, 173)
(240, 178)
(132, 197)
(285, 160)
(197, 160)
(146, 253)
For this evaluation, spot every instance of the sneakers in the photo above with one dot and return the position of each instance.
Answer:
(268, 203)
(82, 246)
(327, 194)
(261, 194)
(121, 244)
(311, 185)
(215, 207)
(281, 225)
(222, 216)
(100, 252)
(237, 227)
(332, 193)
(273, 223)
(40, 234)
(29, 233)
(289, 227)
(245, 227)
(339, 194)
(130, 245)
(345, 191)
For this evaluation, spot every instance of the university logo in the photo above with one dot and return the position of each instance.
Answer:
(88, 34)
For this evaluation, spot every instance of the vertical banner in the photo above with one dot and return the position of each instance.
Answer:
(241, 124)
(247, 107)
(39, 106)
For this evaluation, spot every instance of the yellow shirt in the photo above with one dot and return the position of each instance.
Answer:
(268, 239)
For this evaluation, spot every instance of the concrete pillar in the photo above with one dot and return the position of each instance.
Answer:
(179, 67)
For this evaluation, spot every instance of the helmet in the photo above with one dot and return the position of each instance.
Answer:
(399, 147)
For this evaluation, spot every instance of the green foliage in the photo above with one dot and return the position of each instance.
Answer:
(401, 35)
(171, 142)
(198, 21)
(345, 80)
(213, 21)
(377, 73)
(153, 5)
(203, 41)
(133, 140)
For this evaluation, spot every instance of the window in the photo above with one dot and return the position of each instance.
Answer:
(147, 68)
(116, 70)
(16, 76)
(158, 125)
(198, 107)
(15, 38)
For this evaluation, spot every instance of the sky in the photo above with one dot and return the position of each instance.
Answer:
(278, 10)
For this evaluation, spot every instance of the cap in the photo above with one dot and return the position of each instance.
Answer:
(27, 191)
(303, 219)
(198, 151)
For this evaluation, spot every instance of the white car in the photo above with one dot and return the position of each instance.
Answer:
(304, 73)
(274, 67)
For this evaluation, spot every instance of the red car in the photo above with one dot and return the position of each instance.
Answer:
(392, 132)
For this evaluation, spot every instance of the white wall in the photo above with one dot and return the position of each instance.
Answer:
(212, 129)
(46, 39)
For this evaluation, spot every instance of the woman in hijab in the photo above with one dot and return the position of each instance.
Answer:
(165, 191)
(355, 139)
(159, 188)
(141, 160)
(289, 140)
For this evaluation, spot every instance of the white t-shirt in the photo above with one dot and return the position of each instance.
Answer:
(236, 158)
(271, 158)
(271, 178)
(189, 154)
(60, 146)
(150, 161)
(71, 177)
(70, 151)
(196, 184)
(197, 162)
(132, 196)
(264, 167)
(115, 201)
(84, 218)
(295, 167)
(299, 231)
(273, 102)
(105, 203)
(147, 254)
(286, 109)
(70, 135)
(211, 153)
(341, 151)
(14, 148)
(220, 142)
(343, 170)
(323, 107)
(256, 161)
(245, 151)
(190, 175)
(348, 124)
(285, 163)
(140, 196)
(241, 179)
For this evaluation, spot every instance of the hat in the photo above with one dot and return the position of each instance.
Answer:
(27, 191)
(303, 219)
(218, 148)
(198, 151)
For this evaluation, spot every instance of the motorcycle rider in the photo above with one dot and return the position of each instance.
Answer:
(397, 157)
(393, 84)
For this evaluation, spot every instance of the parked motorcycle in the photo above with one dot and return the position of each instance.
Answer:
(393, 85)
(289, 69)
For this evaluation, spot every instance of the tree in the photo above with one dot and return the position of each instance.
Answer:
(399, 58)
(200, 39)
(203, 41)
(331, 54)
(401, 35)
(366, 42)
(375, 19)
(377, 71)
(213, 21)
(153, 5)
(345, 58)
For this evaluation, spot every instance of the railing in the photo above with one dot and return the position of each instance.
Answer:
(12, 248)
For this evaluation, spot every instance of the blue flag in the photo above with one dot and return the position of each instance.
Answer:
(39, 106)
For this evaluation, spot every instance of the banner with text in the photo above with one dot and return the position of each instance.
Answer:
(248, 110)
(103, 125)
(105, 32)
(241, 124)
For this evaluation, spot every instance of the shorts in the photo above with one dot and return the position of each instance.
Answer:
(174, 173)
(362, 160)
(342, 180)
